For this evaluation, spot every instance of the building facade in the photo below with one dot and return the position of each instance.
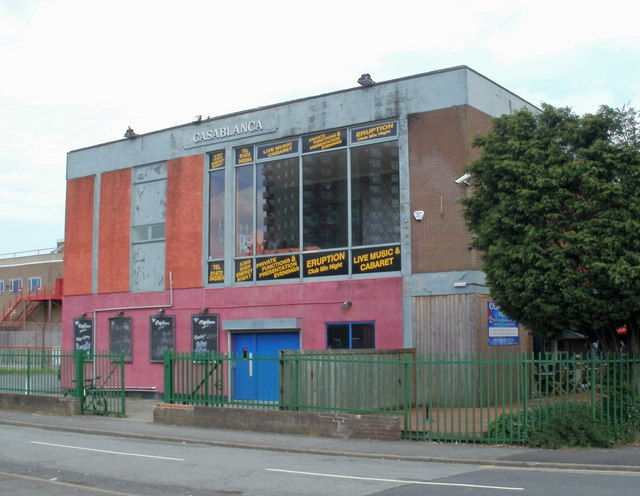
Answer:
(326, 222)
(31, 290)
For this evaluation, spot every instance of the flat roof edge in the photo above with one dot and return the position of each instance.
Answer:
(297, 100)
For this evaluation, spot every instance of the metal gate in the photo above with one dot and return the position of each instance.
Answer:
(99, 382)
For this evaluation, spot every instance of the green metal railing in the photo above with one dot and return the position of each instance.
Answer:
(475, 398)
(54, 372)
(99, 382)
(33, 371)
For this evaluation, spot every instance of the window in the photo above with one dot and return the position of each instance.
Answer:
(375, 194)
(215, 263)
(319, 205)
(151, 232)
(148, 220)
(277, 206)
(15, 286)
(244, 211)
(35, 284)
(1, 287)
(325, 200)
(351, 336)
(216, 213)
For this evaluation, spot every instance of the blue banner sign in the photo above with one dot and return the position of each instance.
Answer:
(502, 330)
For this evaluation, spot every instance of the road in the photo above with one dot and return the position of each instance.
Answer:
(38, 462)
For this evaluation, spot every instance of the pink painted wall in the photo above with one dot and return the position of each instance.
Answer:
(315, 303)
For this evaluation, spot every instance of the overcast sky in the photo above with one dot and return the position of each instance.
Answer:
(76, 73)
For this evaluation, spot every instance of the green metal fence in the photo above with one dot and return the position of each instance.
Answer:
(96, 378)
(33, 371)
(99, 382)
(493, 399)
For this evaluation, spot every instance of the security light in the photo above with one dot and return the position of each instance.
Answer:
(365, 80)
(130, 133)
(463, 179)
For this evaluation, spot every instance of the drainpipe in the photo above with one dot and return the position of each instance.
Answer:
(142, 307)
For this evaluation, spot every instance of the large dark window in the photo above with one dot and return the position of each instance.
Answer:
(375, 194)
(325, 221)
(216, 207)
(244, 211)
(278, 206)
(320, 205)
(351, 336)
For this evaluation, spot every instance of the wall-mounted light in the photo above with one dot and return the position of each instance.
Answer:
(464, 179)
(464, 284)
(365, 80)
(204, 310)
(346, 304)
(119, 313)
(418, 215)
(160, 311)
(82, 315)
(130, 133)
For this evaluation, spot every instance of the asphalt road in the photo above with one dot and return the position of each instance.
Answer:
(49, 462)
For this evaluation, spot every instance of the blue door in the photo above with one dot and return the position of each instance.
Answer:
(256, 374)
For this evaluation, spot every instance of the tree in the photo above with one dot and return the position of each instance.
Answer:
(555, 209)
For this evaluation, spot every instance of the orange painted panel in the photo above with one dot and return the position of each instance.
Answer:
(114, 231)
(78, 236)
(184, 221)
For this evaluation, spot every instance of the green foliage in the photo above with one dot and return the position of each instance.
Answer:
(555, 425)
(511, 427)
(555, 210)
(572, 426)
(623, 406)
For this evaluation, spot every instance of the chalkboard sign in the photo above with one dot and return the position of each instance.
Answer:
(83, 334)
(162, 336)
(120, 336)
(204, 332)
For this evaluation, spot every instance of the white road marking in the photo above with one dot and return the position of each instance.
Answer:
(395, 481)
(108, 452)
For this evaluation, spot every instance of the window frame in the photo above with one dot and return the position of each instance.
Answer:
(12, 282)
(307, 262)
(351, 326)
(38, 287)
(149, 228)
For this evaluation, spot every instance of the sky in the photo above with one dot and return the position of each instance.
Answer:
(76, 73)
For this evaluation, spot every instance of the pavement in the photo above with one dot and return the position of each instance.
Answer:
(138, 424)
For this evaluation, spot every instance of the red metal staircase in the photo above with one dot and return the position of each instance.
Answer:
(23, 305)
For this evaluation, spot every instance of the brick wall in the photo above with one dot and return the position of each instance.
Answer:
(440, 144)
(46, 405)
(343, 425)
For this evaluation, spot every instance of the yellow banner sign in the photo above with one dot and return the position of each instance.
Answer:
(383, 259)
(286, 267)
(378, 131)
(244, 270)
(216, 160)
(216, 272)
(244, 155)
(326, 264)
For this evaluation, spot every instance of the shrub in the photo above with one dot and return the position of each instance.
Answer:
(623, 407)
(511, 427)
(571, 426)
(554, 425)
